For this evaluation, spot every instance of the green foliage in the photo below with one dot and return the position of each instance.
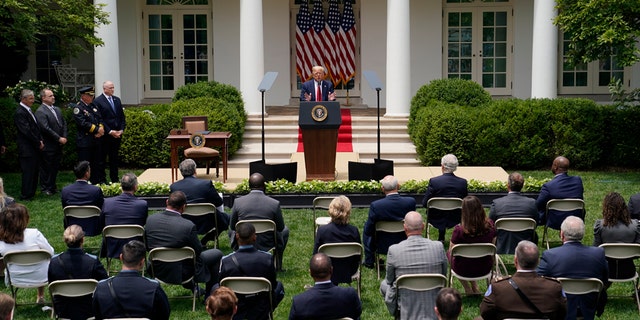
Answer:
(36, 87)
(621, 98)
(599, 28)
(213, 89)
(457, 91)
(144, 143)
(144, 189)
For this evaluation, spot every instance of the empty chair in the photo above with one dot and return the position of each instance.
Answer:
(250, 286)
(265, 227)
(342, 251)
(70, 78)
(412, 292)
(115, 236)
(563, 208)
(174, 256)
(387, 234)
(196, 126)
(441, 205)
(88, 217)
(74, 290)
(205, 217)
(513, 230)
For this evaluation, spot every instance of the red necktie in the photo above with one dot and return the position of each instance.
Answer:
(318, 93)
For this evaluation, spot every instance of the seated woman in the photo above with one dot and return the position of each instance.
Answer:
(616, 226)
(15, 236)
(474, 227)
(222, 304)
(339, 230)
(74, 264)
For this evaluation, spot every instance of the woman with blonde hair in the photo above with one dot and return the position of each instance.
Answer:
(474, 227)
(15, 236)
(339, 230)
(222, 304)
(5, 200)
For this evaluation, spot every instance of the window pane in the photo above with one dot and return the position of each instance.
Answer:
(454, 50)
(501, 65)
(201, 36)
(454, 19)
(188, 21)
(201, 21)
(154, 52)
(189, 37)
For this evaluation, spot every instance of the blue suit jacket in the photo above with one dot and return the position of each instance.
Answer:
(326, 301)
(574, 260)
(202, 191)
(392, 207)
(562, 186)
(112, 121)
(122, 209)
(81, 193)
(446, 185)
(310, 88)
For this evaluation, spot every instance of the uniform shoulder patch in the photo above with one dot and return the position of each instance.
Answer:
(76, 110)
(498, 279)
(552, 279)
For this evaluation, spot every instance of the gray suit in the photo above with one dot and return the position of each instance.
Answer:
(513, 205)
(411, 256)
(257, 205)
(52, 127)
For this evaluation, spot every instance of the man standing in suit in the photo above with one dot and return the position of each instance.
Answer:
(411, 256)
(123, 209)
(574, 260)
(81, 193)
(501, 301)
(447, 185)
(201, 191)
(30, 144)
(513, 205)
(562, 186)
(325, 300)
(53, 128)
(392, 207)
(90, 130)
(248, 261)
(112, 113)
(257, 205)
(317, 89)
(128, 294)
(168, 229)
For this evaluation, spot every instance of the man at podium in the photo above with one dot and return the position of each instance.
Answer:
(317, 89)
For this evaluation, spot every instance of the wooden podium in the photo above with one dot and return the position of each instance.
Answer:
(320, 122)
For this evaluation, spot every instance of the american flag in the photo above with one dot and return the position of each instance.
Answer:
(331, 49)
(317, 21)
(304, 40)
(347, 43)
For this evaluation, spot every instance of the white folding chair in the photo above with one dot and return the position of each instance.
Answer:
(388, 227)
(88, 218)
(17, 259)
(265, 226)
(341, 250)
(198, 213)
(419, 282)
(515, 225)
(71, 288)
(580, 286)
(624, 251)
(320, 203)
(472, 251)
(561, 205)
(122, 231)
(249, 285)
(168, 255)
(443, 204)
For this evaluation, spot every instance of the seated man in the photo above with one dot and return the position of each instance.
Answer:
(251, 262)
(447, 185)
(325, 300)
(392, 207)
(411, 256)
(168, 229)
(562, 186)
(448, 304)
(501, 300)
(81, 193)
(574, 260)
(513, 205)
(201, 191)
(257, 205)
(128, 295)
(123, 209)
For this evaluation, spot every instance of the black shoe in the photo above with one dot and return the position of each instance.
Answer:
(367, 265)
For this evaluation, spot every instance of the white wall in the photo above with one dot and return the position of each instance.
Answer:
(426, 43)
(277, 51)
(373, 52)
(522, 47)
(226, 42)
(130, 45)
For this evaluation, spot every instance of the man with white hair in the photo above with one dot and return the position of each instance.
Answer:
(574, 260)
(447, 185)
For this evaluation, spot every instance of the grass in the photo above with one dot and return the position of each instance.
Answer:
(46, 215)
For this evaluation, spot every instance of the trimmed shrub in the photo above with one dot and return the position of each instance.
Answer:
(213, 89)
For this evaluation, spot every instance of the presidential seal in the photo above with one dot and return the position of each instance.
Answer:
(319, 113)
(197, 140)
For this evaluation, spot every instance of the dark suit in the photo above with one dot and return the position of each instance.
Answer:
(326, 301)
(513, 205)
(343, 268)
(257, 205)
(250, 262)
(573, 260)
(168, 229)
(113, 119)
(392, 207)
(28, 139)
(446, 185)
(122, 209)
(52, 127)
(562, 186)
(203, 191)
(310, 88)
(634, 206)
(136, 296)
(88, 121)
(81, 193)
(75, 264)
(501, 300)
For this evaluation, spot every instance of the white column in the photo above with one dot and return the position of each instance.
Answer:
(544, 57)
(398, 58)
(106, 58)
(251, 54)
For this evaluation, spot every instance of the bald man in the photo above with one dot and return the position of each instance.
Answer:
(562, 186)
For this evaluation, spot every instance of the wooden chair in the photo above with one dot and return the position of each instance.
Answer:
(195, 125)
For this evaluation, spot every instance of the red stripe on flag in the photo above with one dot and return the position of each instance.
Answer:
(303, 56)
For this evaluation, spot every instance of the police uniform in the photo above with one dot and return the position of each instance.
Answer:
(501, 300)
(89, 121)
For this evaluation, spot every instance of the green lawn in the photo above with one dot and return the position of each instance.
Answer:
(46, 215)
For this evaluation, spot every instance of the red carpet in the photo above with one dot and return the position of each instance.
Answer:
(344, 134)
